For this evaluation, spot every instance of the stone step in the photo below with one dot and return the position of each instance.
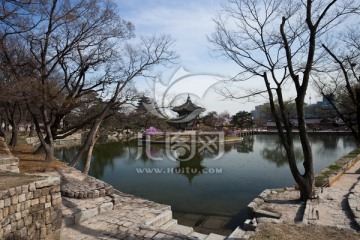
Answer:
(213, 236)
(169, 224)
(238, 233)
(181, 229)
(198, 236)
(264, 213)
(160, 219)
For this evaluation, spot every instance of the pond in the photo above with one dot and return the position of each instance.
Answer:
(206, 185)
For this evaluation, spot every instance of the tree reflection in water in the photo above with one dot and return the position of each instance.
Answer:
(274, 152)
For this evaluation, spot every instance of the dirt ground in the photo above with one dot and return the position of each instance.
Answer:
(301, 232)
(15, 180)
(33, 163)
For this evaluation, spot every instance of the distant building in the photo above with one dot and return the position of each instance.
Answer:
(262, 114)
(188, 115)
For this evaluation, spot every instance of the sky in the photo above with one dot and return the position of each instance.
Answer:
(198, 72)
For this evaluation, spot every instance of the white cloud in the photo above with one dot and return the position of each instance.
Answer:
(188, 22)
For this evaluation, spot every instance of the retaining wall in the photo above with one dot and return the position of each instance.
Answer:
(31, 211)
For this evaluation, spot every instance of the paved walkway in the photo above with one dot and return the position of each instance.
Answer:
(331, 208)
(122, 216)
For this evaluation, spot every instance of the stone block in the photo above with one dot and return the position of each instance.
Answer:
(2, 203)
(6, 211)
(25, 188)
(7, 202)
(20, 224)
(68, 220)
(17, 216)
(29, 195)
(55, 189)
(105, 207)
(42, 199)
(250, 224)
(265, 213)
(22, 233)
(37, 193)
(35, 202)
(43, 232)
(18, 207)
(102, 192)
(12, 192)
(56, 225)
(25, 212)
(53, 216)
(268, 220)
(18, 190)
(31, 231)
(258, 201)
(27, 220)
(50, 181)
(22, 198)
(12, 209)
(27, 204)
(213, 236)
(96, 193)
(32, 187)
(14, 199)
(45, 191)
(84, 215)
(251, 207)
(56, 201)
(5, 221)
(4, 194)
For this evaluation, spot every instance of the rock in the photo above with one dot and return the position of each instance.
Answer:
(250, 224)
(264, 213)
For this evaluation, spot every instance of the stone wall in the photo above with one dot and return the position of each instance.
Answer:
(31, 211)
(8, 163)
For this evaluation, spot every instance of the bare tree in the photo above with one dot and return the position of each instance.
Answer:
(338, 79)
(278, 42)
(72, 46)
(135, 61)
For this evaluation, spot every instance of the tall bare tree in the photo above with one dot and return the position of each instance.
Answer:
(135, 61)
(338, 78)
(278, 42)
(72, 46)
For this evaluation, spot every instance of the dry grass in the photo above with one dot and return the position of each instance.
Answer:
(301, 231)
(30, 162)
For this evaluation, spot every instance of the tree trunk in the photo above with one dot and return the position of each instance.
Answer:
(14, 136)
(49, 151)
(89, 155)
(32, 130)
(357, 90)
(2, 130)
(88, 142)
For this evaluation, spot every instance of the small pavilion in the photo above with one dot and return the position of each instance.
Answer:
(188, 115)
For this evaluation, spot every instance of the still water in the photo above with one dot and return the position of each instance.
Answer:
(203, 185)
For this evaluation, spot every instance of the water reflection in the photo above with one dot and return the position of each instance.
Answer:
(246, 146)
(248, 167)
(275, 153)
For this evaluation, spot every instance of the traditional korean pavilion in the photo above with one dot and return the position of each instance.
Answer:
(188, 115)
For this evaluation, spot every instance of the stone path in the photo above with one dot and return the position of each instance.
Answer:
(7, 161)
(117, 215)
(331, 207)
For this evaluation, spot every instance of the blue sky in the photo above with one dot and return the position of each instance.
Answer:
(189, 22)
